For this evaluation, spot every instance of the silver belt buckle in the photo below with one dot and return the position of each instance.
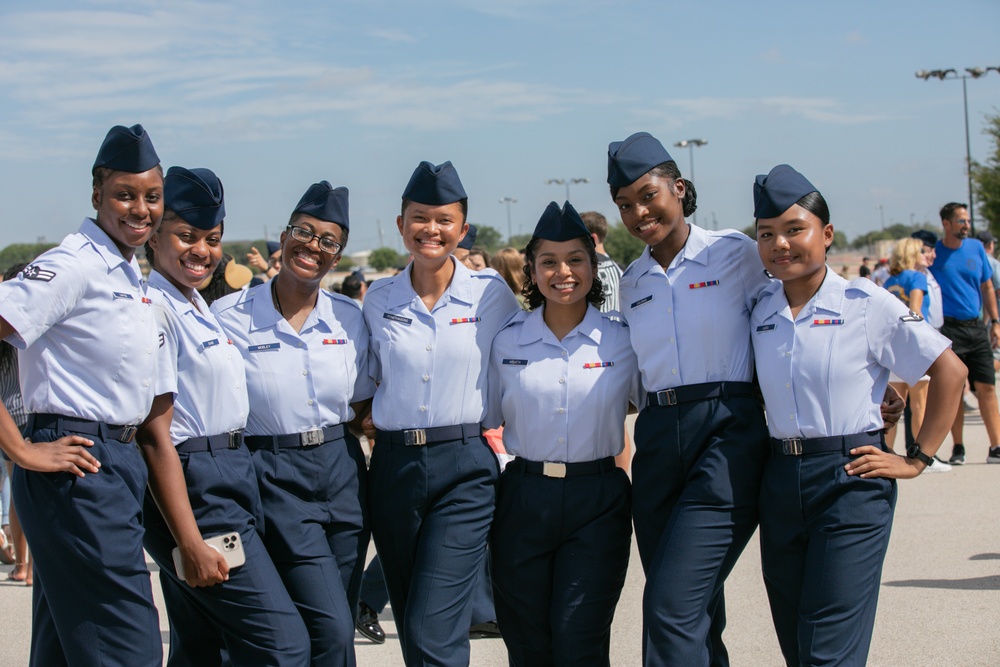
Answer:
(311, 438)
(792, 446)
(235, 439)
(551, 469)
(669, 394)
(128, 433)
(415, 437)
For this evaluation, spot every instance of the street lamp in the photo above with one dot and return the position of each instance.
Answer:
(566, 182)
(973, 73)
(508, 201)
(881, 214)
(690, 144)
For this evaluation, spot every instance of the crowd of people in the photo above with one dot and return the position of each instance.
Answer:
(217, 422)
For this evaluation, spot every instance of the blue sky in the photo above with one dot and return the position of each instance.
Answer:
(274, 97)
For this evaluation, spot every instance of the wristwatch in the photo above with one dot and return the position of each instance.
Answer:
(913, 451)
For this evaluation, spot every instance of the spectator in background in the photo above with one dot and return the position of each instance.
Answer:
(478, 259)
(865, 271)
(354, 287)
(269, 267)
(963, 271)
(989, 245)
(935, 314)
(881, 272)
(607, 269)
(465, 247)
(509, 264)
(228, 277)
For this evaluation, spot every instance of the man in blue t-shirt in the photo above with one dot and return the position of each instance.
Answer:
(963, 271)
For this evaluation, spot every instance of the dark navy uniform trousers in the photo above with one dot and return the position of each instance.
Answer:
(250, 617)
(823, 537)
(92, 598)
(317, 534)
(695, 485)
(431, 509)
(560, 552)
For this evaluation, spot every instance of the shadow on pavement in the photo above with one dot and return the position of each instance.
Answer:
(975, 584)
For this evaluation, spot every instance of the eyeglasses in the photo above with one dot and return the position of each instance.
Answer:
(305, 237)
(962, 221)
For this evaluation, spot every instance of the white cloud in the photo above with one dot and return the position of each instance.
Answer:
(821, 110)
(855, 37)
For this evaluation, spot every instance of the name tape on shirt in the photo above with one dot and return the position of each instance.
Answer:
(334, 341)
(265, 347)
(122, 295)
(210, 343)
(34, 272)
(397, 318)
(599, 364)
(645, 299)
(466, 320)
(515, 362)
(765, 327)
(707, 283)
(827, 323)
(912, 317)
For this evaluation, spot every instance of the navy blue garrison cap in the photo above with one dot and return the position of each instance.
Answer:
(928, 237)
(630, 159)
(272, 247)
(775, 193)
(470, 238)
(195, 195)
(560, 224)
(325, 202)
(434, 185)
(127, 149)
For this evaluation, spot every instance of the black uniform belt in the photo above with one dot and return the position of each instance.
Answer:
(207, 443)
(428, 436)
(699, 392)
(556, 469)
(312, 438)
(834, 443)
(974, 322)
(124, 434)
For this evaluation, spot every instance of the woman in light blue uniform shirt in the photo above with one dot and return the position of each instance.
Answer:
(87, 339)
(432, 474)
(824, 348)
(561, 380)
(200, 475)
(306, 353)
(700, 438)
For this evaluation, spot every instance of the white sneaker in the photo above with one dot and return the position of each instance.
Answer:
(939, 466)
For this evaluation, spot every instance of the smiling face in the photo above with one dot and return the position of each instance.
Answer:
(306, 261)
(184, 254)
(563, 271)
(957, 227)
(431, 233)
(652, 208)
(793, 245)
(129, 207)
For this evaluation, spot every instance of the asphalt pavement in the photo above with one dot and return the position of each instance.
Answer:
(938, 604)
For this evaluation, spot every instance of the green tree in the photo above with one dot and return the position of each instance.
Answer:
(345, 263)
(488, 238)
(384, 258)
(21, 253)
(986, 178)
(840, 240)
(622, 246)
(519, 241)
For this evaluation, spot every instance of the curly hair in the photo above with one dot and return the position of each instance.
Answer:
(533, 295)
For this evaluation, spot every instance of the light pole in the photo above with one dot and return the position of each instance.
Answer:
(973, 73)
(566, 182)
(881, 215)
(690, 144)
(508, 201)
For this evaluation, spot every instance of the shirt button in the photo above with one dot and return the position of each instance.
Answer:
(564, 353)
(671, 339)
(673, 371)
(426, 377)
(791, 416)
(788, 385)
(428, 348)
(562, 380)
(423, 408)
(146, 383)
(305, 371)
(309, 402)
(670, 310)
(562, 410)
(562, 439)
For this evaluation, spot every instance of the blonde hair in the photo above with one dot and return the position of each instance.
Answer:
(904, 255)
(508, 263)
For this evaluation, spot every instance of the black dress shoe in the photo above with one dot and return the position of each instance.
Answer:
(367, 624)
(487, 630)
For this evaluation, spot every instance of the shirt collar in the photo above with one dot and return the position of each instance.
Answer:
(265, 316)
(104, 246)
(401, 293)
(829, 298)
(177, 301)
(696, 249)
(535, 329)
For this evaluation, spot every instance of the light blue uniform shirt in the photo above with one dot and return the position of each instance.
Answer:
(198, 364)
(690, 323)
(565, 400)
(86, 331)
(432, 366)
(825, 373)
(302, 381)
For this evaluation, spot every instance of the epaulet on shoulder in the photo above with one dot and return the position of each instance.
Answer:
(518, 319)
(616, 317)
(380, 284)
(489, 274)
(771, 289)
(234, 299)
(730, 233)
(862, 285)
(340, 298)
